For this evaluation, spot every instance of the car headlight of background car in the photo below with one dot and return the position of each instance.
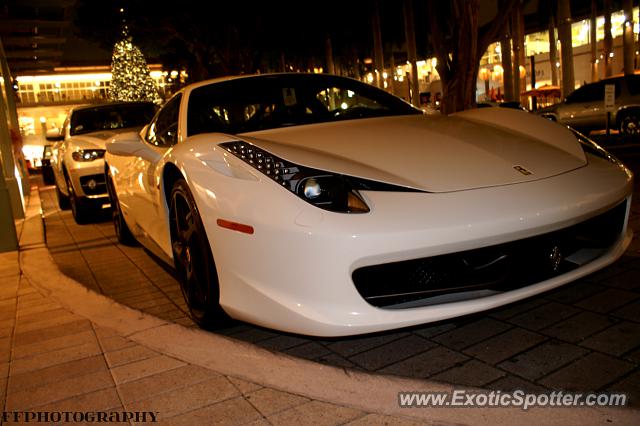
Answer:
(87, 154)
(327, 190)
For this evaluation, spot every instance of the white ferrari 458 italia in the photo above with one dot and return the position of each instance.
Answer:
(320, 205)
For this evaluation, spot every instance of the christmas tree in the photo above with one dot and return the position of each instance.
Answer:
(130, 78)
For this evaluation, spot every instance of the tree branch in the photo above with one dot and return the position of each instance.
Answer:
(437, 40)
(499, 21)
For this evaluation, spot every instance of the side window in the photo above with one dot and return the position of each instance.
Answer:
(575, 96)
(163, 130)
(587, 93)
(633, 83)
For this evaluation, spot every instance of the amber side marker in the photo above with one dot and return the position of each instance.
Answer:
(235, 226)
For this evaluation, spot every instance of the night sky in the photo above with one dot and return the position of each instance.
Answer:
(166, 29)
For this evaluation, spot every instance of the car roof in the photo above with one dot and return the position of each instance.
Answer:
(297, 75)
(109, 104)
(621, 77)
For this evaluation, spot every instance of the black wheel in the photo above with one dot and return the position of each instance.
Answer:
(193, 259)
(63, 200)
(47, 175)
(630, 123)
(79, 211)
(123, 233)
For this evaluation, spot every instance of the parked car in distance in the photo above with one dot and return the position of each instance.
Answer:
(321, 205)
(78, 163)
(584, 108)
(47, 171)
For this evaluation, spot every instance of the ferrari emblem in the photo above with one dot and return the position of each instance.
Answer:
(555, 258)
(523, 170)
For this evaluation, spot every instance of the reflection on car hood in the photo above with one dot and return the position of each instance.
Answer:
(433, 153)
(97, 140)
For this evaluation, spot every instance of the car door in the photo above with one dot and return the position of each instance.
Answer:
(144, 201)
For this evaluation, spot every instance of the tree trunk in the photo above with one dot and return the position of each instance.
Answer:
(627, 37)
(378, 58)
(331, 69)
(523, 60)
(459, 54)
(507, 66)
(411, 51)
(461, 71)
(356, 63)
(564, 34)
(516, 36)
(593, 41)
(553, 50)
(608, 40)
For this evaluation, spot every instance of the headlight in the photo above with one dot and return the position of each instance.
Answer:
(87, 154)
(330, 191)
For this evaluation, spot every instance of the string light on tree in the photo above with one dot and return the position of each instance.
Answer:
(130, 77)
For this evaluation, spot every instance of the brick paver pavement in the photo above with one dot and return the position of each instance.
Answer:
(52, 360)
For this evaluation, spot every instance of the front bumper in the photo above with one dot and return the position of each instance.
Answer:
(93, 202)
(295, 272)
(89, 184)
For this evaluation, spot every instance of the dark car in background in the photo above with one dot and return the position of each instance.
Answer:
(47, 171)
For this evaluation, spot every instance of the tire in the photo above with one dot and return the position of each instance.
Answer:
(630, 123)
(123, 233)
(193, 259)
(63, 200)
(80, 212)
(47, 175)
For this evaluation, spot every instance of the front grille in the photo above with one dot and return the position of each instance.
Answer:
(93, 184)
(501, 267)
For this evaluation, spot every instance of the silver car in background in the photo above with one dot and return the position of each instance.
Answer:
(584, 108)
(77, 159)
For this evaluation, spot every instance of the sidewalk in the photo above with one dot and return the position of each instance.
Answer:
(65, 348)
(58, 361)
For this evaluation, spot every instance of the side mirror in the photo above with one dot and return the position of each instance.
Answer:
(130, 145)
(54, 135)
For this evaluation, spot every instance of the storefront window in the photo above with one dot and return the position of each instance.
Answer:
(537, 43)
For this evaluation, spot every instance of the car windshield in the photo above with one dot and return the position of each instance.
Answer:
(109, 117)
(267, 102)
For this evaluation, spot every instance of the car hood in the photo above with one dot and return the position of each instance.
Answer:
(97, 140)
(432, 153)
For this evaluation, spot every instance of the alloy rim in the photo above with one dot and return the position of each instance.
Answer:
(631, 125)
(115, 207)
(72, 200)
(189, 255)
